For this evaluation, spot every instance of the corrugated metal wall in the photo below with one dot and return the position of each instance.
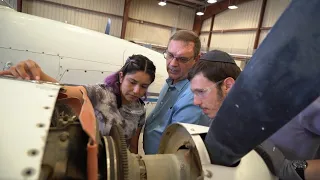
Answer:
(144, 33)
(148, 22)
(273, 11)
(244, 20)
(107, 6)
(246, 16)
(172, 16)
(92, 14)
(233, 42)
(204, 37)
(169, 15)
(263, 35)
(206, 25)
(10, 3)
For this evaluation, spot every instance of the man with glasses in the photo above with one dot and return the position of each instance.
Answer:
(212, 78)
(175, 103)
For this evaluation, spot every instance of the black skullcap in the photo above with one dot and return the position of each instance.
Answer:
(218, 56)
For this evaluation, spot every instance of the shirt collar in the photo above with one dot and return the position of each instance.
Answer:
(179, 85)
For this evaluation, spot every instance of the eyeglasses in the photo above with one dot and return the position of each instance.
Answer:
(202, 93)
(169, 56)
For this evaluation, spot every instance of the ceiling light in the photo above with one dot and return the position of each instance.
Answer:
(199, 13)
(162, 3)
(232, 7)
(212, 1)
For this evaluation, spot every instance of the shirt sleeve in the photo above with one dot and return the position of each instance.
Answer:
(96, 93)
(309, 118)
(186, 112)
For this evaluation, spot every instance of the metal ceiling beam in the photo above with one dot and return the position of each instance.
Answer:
(19, 5)
(196, 2)
(212, 10)
(262, 11)
(125, 18)
(180, 3)
(218, 8)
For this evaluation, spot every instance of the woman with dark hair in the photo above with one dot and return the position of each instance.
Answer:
(117, 101)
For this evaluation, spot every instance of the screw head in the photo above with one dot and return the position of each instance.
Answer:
(64, 136)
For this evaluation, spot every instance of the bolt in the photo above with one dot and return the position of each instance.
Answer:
(40, 125)
(65, 118)
(64, 136)
(28, 172)
(33, 152)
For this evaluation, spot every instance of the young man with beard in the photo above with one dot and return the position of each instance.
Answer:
(211, 79)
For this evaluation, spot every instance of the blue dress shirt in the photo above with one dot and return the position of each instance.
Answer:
(175, 104)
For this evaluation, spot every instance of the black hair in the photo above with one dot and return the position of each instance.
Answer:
(214, 71)
(133, 64)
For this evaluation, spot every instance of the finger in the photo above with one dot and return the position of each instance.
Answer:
(20, 69)
(14, 72)
(34, 69)
(5, 72)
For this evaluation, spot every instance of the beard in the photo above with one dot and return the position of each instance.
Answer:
(220, 99)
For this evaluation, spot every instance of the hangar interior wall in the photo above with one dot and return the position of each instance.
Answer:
(234, 31)
(149, 24)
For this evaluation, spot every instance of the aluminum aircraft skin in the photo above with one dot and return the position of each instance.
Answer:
(69, 53)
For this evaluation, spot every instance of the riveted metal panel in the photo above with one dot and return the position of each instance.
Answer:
(25, 115)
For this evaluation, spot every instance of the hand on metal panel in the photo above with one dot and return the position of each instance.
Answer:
(28, 70)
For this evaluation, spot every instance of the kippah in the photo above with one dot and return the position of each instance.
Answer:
(218, 56)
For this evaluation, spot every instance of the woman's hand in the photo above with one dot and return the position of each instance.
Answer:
(28, 70)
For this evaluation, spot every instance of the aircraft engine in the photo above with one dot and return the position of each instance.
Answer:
(47, 135)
